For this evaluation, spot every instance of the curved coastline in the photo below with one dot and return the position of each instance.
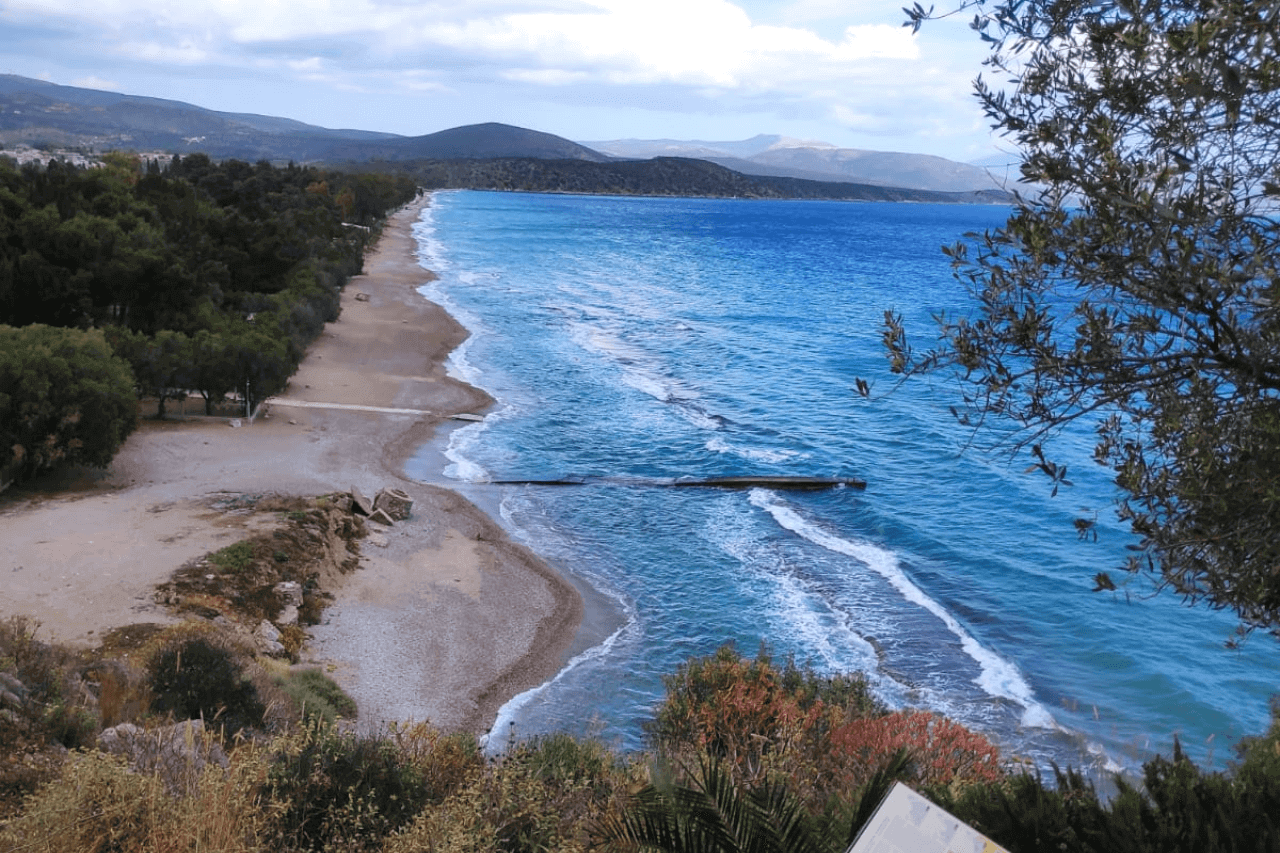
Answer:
(445, 620)
(474, 618)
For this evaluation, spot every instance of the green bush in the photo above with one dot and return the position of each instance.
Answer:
(196, 679)
(1178, 809)
(317, 696)
(234, 558)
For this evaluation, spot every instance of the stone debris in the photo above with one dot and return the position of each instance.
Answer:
(289, 592)
(290, 595)
(395, 503)
(362, 502)
(380, 516)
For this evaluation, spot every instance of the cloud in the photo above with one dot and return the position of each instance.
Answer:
(96, 83)
(624, 42)
(698, 57)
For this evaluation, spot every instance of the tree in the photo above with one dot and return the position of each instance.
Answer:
(1137, 286)
(64, 399)
(162, 365)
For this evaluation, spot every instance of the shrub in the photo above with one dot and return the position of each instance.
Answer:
(56, 706)
(98, 805)
(198, 679)
(339, 791)
(753, 715)
(234, 558)
(316, 696)
(548, 794)
(446, 763)
(1179, 808)
(943, 753)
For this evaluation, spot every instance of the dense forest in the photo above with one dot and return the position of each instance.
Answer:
(159, 278)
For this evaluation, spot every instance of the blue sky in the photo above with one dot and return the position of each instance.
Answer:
(846, 73)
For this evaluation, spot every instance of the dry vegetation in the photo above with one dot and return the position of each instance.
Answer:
(742, 748)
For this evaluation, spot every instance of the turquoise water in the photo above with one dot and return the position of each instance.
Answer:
(639, 340)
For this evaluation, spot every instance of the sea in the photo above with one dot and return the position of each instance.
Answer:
(631, 343)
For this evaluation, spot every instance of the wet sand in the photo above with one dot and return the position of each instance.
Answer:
(446, 618)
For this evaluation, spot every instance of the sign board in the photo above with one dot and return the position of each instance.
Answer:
(906, 822)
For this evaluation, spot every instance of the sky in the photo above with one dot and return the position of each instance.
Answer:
(844, 72)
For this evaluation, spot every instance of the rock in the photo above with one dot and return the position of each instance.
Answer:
(394, 503)
(380, 516)
(269, 640)
(12, 692)
(9, 699)
(377, 539)
(235, 422)
(362, 502)
(288, 615)
(178, 754)
(362, 297)
(289, 593)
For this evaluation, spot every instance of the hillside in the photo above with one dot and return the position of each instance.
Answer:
(661, 176)
(41, 114)
(480, 156)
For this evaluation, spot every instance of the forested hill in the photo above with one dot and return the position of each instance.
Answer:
(199, 276)
(661, 176)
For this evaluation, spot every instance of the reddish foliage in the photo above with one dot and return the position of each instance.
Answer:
(943, 751)
(824, 735)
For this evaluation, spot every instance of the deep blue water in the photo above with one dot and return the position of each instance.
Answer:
(642, 339)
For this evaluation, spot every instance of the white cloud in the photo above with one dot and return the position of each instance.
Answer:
(96, 83)
(692, 57)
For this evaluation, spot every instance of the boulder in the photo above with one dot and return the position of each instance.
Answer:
(12, 692)
(289, 593)
(362, 502)
(269, 640)
(178, 754)
(395, 503)
(380, 516)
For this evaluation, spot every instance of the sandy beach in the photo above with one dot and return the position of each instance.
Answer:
(445, 619)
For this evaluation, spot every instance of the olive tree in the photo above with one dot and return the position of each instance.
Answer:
(1136, 286)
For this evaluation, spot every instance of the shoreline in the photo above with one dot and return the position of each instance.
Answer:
(488, 618)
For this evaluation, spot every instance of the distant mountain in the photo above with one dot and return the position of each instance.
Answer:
(34, 112)
(780, 156)
(472, 142)
(479, 156)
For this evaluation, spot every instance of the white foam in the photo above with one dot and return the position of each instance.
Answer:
(803, 611)
(431, 252)
(460, 467)
(997, 676)
(499, 734)
(754, 454)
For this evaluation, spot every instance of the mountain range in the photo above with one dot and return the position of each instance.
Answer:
(780, 156)
(45, 115)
